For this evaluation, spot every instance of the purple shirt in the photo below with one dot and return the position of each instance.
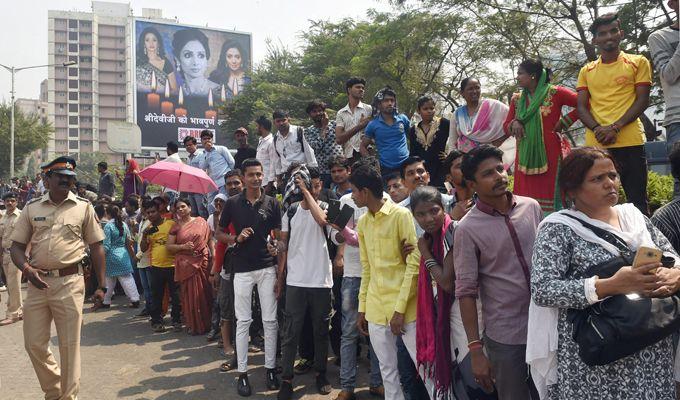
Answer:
(492, 257)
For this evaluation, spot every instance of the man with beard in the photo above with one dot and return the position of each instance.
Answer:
(613, 91)
(352, 119)
(58, 225)
(321, 138)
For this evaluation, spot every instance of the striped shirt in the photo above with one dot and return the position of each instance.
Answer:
(663, 47)
(667, 220)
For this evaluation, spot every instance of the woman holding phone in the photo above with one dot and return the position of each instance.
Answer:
(563, 250)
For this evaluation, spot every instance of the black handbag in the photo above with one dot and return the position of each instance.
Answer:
(621, 325)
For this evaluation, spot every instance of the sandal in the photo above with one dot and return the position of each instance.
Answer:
(229, 364)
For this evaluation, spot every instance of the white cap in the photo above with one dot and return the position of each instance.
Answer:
(220, 196)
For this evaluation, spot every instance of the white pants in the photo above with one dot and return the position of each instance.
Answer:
(265, 279)
(128, 284)
(384, 344)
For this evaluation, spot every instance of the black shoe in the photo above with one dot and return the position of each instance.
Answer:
(134, 304)
(143, 314)
(303, 366)
(322, 385)
(272, 380)
(286, 391)
(243, 386)
(105, 306)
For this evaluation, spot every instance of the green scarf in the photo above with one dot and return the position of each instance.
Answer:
(532, 157)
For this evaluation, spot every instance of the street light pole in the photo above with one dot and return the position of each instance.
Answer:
(12, 71)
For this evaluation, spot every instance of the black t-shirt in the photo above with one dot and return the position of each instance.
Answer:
(242, 154)
(263, 216)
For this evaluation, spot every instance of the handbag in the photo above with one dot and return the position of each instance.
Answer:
(620, 325)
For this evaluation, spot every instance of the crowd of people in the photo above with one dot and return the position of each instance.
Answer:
(393, 234)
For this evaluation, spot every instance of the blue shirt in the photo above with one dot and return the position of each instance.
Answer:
(390, 140)
(195, 159)
(217, 162)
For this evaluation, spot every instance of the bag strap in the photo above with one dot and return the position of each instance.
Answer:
(605, 235)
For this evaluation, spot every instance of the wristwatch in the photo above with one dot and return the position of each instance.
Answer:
(103, 289)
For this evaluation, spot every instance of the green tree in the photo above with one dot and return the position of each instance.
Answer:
(30, 134)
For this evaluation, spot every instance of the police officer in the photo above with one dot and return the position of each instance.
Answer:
(58, 225)
(12, 275)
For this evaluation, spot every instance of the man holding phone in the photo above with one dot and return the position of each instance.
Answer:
(162, 267)
(253, 215)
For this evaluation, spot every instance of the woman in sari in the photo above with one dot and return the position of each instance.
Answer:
(132, 182)
(152, 63)
(428, 138)
(441, 341)
(535, 120)
(479, 121)
(189, 240)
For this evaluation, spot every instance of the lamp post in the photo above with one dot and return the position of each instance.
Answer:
(12, 71)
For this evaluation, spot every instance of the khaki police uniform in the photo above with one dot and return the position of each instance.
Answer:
(12, 273)
(58, 234)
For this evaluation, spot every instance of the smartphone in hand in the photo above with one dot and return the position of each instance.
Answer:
(647, 255)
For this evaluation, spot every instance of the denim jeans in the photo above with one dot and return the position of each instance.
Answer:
(411, 383)
(672, 137)
(350, 337)
(145, 277)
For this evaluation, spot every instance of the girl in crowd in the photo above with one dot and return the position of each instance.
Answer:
(189, 240)
(440, 336)
(479, 121)
(428, 140)
(564, 249)
(231, 68)
(192, 52)
(535, 120)
(119, 257)
(151, 59)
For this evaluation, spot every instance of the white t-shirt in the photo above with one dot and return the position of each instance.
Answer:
(309, 264)
(352, 256)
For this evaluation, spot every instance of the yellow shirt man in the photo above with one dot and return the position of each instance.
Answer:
(160, 256)
(611, 87)
(388, 284)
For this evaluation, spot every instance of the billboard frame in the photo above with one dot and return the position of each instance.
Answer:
(133, 60)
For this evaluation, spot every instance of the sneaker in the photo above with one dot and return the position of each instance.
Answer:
(3, 288)
(212, 336)
(243, 386)
(322, 385)
(286, 391)
(158, 328)
(272, 380)
(303, 366)
(143, 314)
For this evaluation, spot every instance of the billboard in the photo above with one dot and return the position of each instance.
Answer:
(182, 74)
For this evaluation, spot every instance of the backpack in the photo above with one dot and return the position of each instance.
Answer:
(300, 139)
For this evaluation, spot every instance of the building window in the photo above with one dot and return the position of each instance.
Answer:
(61, 107)
(122, 98)
(73, 72)
(73, 120)
(72, 84)
(61, 49)
(73, 145)
(73, 96)
(72, 23)
(73, 108)
(84, 47)
(73, 47)
(85, 24)
(86, 108)
(62, 94)
(73, 36)
(73, 132)
(73, 59)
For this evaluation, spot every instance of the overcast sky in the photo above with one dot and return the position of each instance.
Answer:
(23, 26)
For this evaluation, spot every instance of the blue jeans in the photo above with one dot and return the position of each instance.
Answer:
(672, 137)
(411, 383)
(145, 277)
(350, 336)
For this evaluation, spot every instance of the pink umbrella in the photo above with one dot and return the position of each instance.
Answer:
(179, 177)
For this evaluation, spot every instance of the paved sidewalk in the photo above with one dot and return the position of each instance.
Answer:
(123, 359)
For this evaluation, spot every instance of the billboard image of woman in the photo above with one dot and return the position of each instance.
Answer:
(182, 75)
